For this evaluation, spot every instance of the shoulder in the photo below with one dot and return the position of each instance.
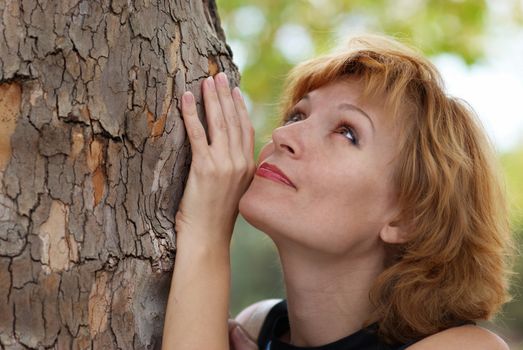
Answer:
(251, 318)
(463, 337)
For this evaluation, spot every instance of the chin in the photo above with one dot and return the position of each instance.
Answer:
(260, 208)
(257, 208)
(250, 209)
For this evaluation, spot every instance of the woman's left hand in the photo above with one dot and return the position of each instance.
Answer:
(220, 171)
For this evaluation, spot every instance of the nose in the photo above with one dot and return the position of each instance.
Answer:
(288, 139)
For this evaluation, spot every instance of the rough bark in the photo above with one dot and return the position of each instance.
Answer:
(93, 160)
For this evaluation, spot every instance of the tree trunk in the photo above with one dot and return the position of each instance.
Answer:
(93, 161)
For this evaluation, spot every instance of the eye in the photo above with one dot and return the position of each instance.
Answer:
(292, 117)
(346, 129)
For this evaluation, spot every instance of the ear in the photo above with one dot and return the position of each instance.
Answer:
(393, 233)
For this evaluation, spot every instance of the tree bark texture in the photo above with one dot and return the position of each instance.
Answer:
(93, 161)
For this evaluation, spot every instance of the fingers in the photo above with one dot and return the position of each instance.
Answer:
(228, 106)
(230, 131)
(246, 125)
(239, 338)
(215, 118)
(231, 323)
(194, 127)
(230, 114)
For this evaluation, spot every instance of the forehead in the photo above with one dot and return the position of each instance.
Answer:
(347, 91)
(342, 89)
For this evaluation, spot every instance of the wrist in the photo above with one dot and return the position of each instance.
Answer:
(199, 264)
(202, 239)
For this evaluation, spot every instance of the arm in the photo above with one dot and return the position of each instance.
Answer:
(197, 308)
(198, 303)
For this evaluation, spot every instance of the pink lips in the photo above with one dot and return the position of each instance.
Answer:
(272, 172)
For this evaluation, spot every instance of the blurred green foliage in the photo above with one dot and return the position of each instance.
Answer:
(512, 316)
(268, 37)
(512, 163)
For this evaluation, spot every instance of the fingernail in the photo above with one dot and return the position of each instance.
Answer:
(238, 92)
(188, 97)
(222, 79)
(210, 83)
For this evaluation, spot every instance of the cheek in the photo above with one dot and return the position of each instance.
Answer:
(360, 192)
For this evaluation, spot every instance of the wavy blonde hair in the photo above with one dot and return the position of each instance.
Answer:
(455, 264)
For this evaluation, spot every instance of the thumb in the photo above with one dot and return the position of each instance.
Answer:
(241, 340)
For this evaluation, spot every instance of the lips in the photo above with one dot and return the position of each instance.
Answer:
(272, 172)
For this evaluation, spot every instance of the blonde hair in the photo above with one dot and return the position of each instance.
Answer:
(454, 266)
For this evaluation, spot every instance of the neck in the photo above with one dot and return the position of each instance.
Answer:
(327, 297)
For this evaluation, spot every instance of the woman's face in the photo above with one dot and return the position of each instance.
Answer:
(338, 152)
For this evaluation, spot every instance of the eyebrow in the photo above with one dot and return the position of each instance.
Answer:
(349, 106)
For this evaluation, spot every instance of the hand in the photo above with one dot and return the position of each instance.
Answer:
(239, 339)
(220, 171)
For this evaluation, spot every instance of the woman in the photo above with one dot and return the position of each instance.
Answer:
(380, 194)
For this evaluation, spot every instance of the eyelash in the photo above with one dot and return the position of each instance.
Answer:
(347, 128)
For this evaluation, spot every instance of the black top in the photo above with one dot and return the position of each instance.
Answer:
(277, 323)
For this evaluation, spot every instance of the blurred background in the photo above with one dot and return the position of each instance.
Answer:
(476, 44)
